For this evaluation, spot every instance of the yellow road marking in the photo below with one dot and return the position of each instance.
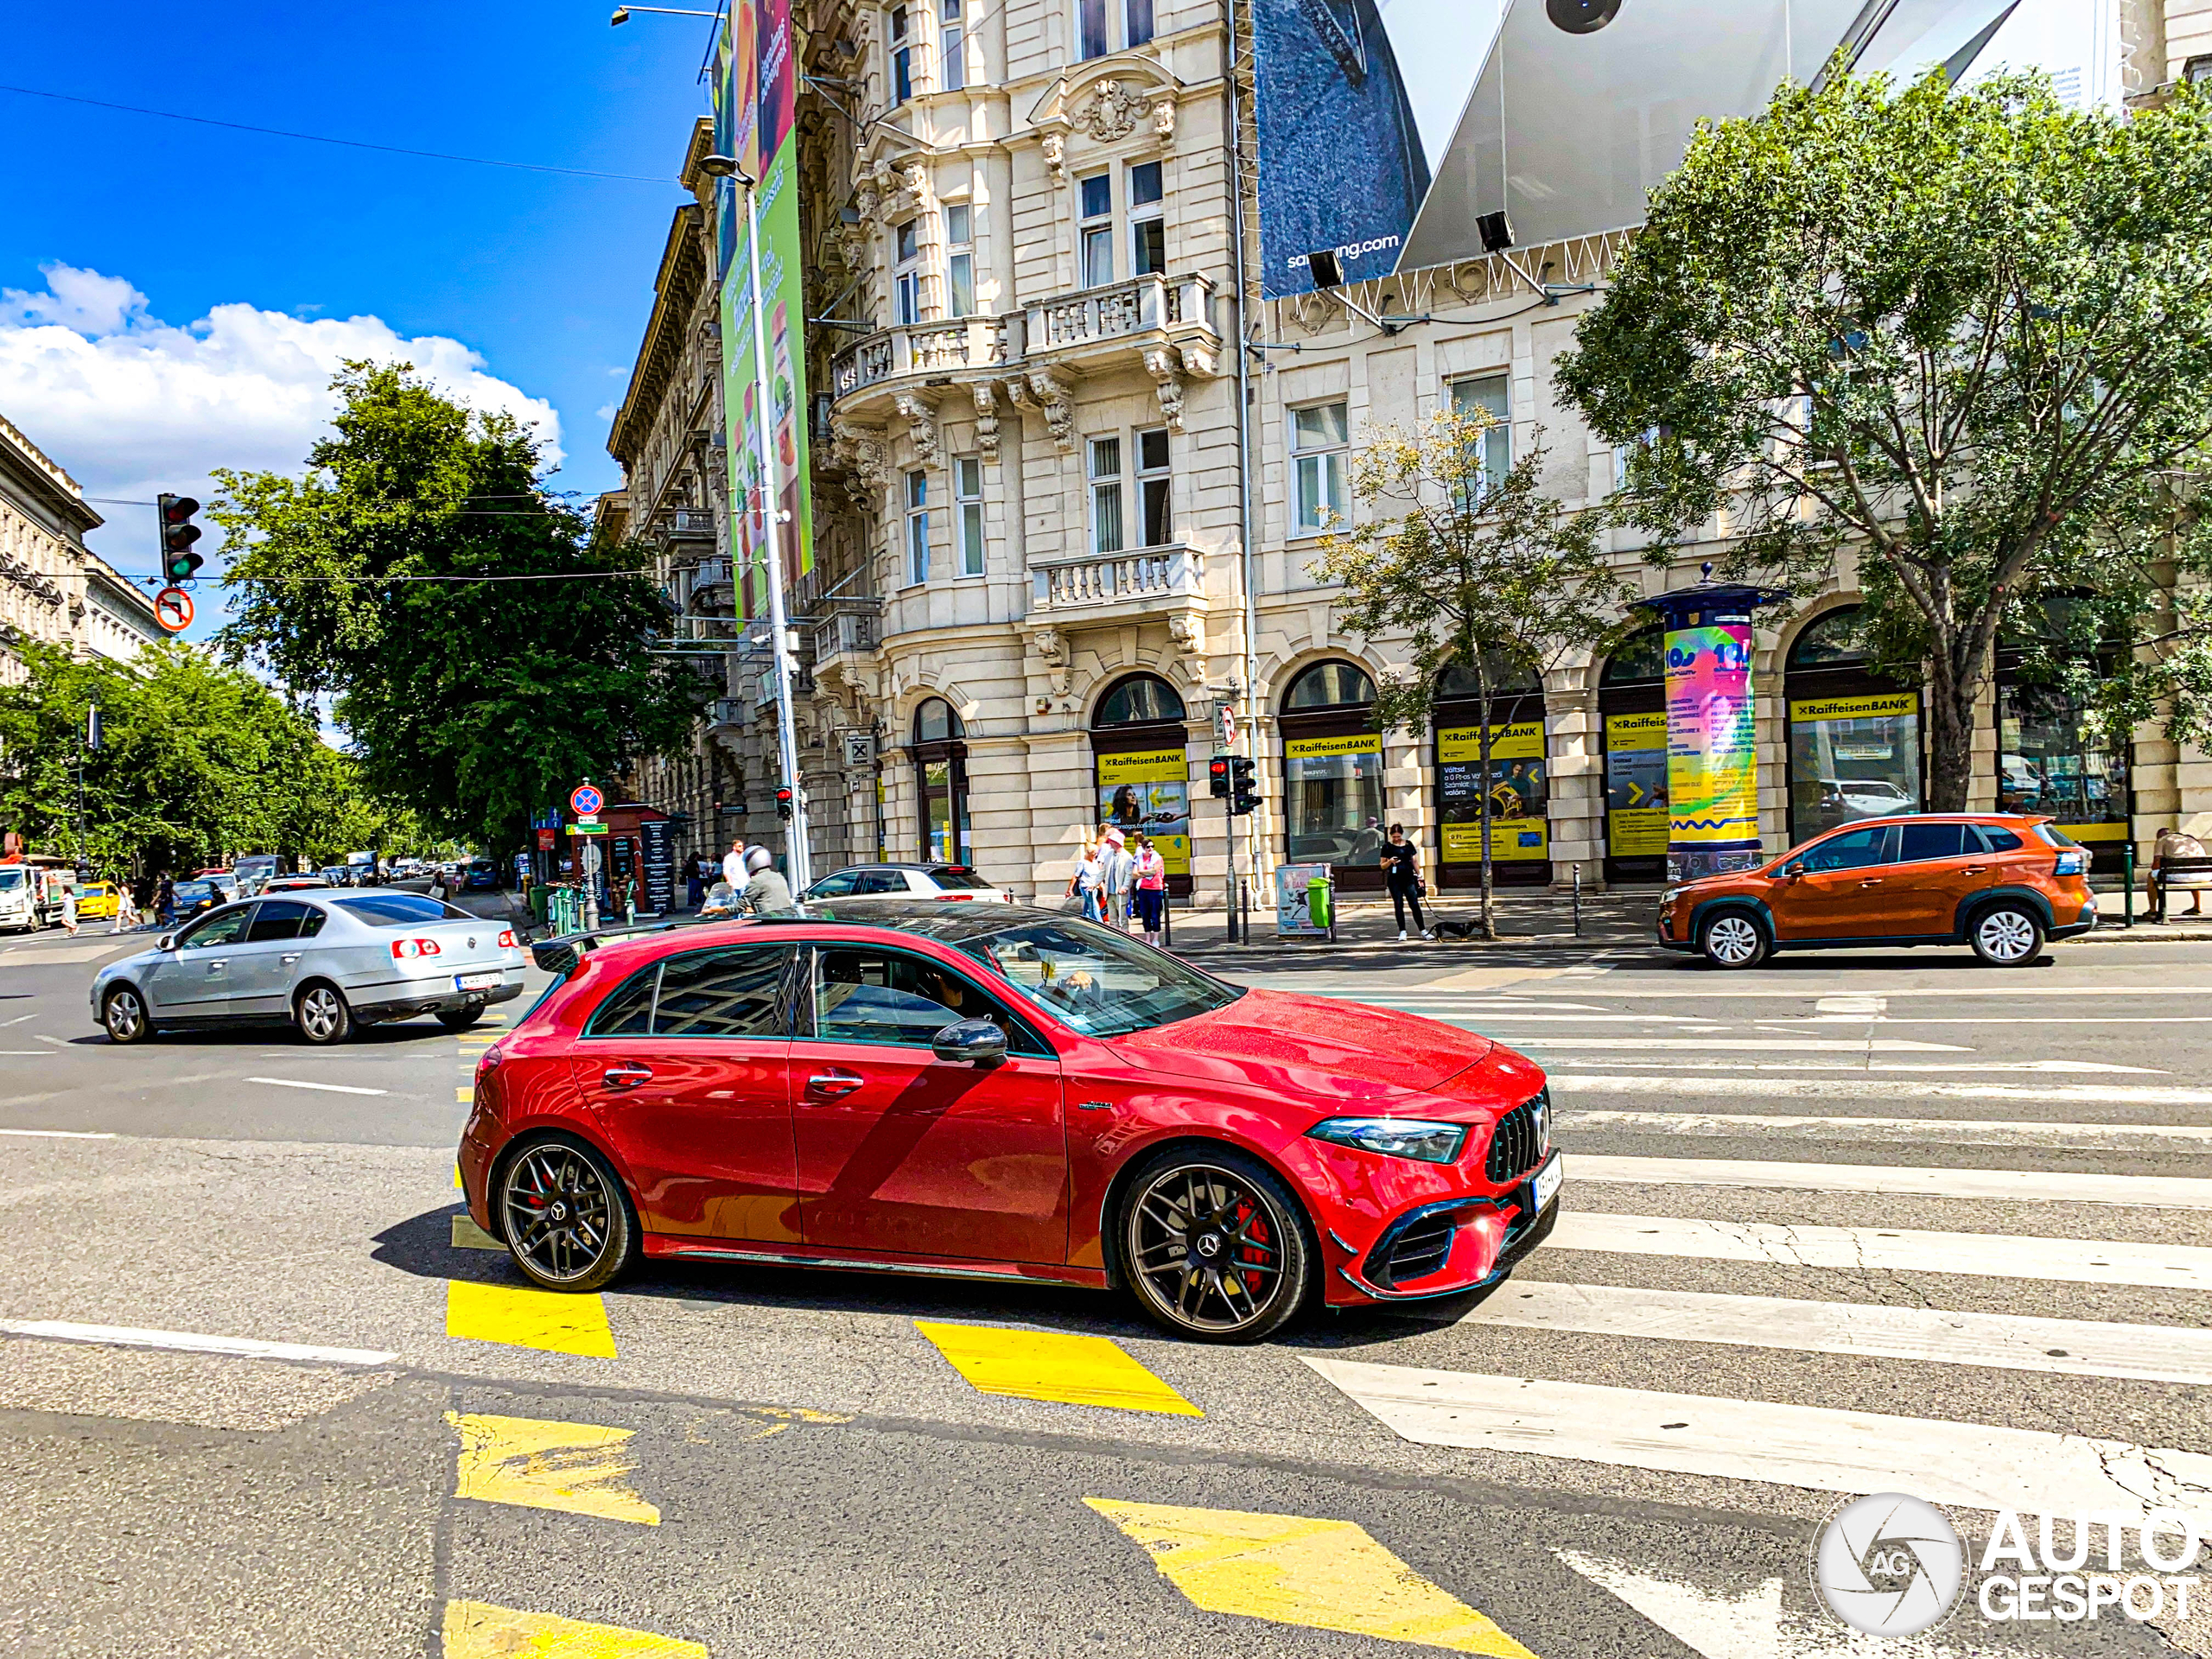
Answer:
(467, 1235)
(576, 1467)
(558, 1324)
(464, 1095)
(481, 1039)
(1289, 1569)
(1048, 1365)
(456, 1177)
(475, 1629)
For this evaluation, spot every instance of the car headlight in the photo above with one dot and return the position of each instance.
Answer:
(1667, 899)
(1394, 1137)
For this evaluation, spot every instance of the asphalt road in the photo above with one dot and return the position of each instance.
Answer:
(1849, 1223)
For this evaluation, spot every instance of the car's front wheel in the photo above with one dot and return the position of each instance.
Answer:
(1213, 1246)
(2007, 936)
(1732, 939)
(321, 1014)
(566, 1220)
(123, 1014)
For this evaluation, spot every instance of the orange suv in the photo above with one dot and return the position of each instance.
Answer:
(2001, 884)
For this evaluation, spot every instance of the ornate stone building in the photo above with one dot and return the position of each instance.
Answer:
(52, 588)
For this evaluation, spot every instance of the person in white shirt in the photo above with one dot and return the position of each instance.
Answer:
(1118, 870)
(1084, 882)
(734, 867)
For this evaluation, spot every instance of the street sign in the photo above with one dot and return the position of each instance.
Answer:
(545, 841)
(585, 800)
(587, 827)
(1228, 726)
(173, 609)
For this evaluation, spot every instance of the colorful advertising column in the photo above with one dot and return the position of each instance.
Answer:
(1712, 786)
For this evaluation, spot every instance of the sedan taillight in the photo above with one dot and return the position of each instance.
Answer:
(404, 949)
(507, 939)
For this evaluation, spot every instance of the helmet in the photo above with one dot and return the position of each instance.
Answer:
(757, 859)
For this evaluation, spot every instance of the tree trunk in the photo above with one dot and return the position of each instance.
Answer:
(1482, 791)
(1951, 697)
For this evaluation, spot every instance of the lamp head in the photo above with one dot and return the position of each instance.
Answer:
(621, 17)
(723, 167)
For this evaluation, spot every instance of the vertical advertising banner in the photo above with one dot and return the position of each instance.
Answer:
(755, 90)
(1515, 785)
(1635, 785)
(1150, 791)
(1713, 798)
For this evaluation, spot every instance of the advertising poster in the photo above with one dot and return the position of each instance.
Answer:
(1294, 900)
(1332, 798)
(1518, 828)
(754, 97)
(1151, 792)
(1388, 129)
(1635, 785)
(1713, 799)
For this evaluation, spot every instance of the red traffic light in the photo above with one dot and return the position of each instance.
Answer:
(1217, 774)
(783, 802)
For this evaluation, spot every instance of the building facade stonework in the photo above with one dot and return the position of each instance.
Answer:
(53, 589)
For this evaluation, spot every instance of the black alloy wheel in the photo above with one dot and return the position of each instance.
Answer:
(123, 1014)
(1213, 1246)
(567, 1220)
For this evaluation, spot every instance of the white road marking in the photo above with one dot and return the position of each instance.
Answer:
(2088, 1068)
(328, 1088)
(43, 1037)
(192, 1341)
(1756, 1044)
(1851, 1007)
(2013, 1342)
(62, 1135)
(1927, 1131)
(1886, 1249)
(1504, 1018)
(1621, 992)
(1677, 1086)
(1977, 1465)
(1903, 1181)
(18, 1019)
(19, 1053)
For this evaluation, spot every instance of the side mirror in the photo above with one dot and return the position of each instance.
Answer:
(978, 1042)
(167, 942)
(1794, 868)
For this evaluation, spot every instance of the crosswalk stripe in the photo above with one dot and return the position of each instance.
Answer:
(2009, 1341)
(1750, 1044)
(578, 1468)
(477, 1629)
(546, 1320)
(1931, 1131)
(1676, 1086)
(1076, 1370)
(1996, 1255)
(2151, 1192)
(1978, 1465)
(1291, 1570)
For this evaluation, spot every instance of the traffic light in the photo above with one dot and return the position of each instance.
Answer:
(1217, 776)
(1242, 797)
(178, 561)
(783, 802)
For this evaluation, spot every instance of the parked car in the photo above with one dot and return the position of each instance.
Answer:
(195, 894)
(323, 963)
(916, 881)
(2002, 884)
(1004, 1093)
(295, 883)
(336, 875)
(98, 901)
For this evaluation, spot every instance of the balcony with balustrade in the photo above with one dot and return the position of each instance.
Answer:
(866, 378)
(1111, 589)
(846, 635)
(1118, 324)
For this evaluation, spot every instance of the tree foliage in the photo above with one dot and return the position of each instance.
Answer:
(475, 702)
(1485, 574)
(1965, 334)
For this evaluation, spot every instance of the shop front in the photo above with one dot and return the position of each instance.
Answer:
(1855, 735)
(1332, 774)
(940, 757)
(1515, 782)
(1632, 711)
(1142, 769)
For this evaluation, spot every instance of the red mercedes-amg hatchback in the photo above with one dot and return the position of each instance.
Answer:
(996, 1092)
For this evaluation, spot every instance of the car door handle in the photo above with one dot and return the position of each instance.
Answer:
(833, 1083)
(1871, 882)
(289, 956)
(628, 1075)
(1977, 870)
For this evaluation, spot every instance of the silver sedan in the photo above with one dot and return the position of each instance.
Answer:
(324, 962)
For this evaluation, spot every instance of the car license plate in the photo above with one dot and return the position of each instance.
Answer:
(476, 981)
(1548, 1182)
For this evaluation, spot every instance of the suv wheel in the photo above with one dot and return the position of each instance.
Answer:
(2007, 936)
(1732, 939)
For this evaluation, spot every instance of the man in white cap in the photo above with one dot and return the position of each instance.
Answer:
(1119, 870)
(765, 890)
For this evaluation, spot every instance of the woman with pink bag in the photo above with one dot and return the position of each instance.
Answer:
(1151, 876)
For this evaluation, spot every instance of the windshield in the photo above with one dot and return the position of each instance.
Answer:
(403, 909)
(1096, 980)
(957, 875)
(193, 891)
(10, 879)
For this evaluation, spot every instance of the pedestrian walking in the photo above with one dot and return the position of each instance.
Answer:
(1401, 873)
(126, 911)
(733, 866)
(1117, 870)
(695, 881)
(69, 905)
(165, 900)
(1086, 881)
(1150, 877)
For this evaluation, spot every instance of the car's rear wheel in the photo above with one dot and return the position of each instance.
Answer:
(2007, 936)
(1732, 939)
(123, 1014)
(322, 1014)
(566, 1220)
(461, 1019)
(1214, 1246)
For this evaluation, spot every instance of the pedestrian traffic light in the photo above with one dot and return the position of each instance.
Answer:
(1243, 797)
(178, 561)
(1217, 775)
(783, 802)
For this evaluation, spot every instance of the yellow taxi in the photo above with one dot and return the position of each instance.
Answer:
(96, 901)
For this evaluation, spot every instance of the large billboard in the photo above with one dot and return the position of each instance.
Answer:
(755, 89)
(1391, 130)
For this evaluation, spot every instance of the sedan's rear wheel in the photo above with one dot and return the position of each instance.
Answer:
(321, 1014)
(124, 1014)
(1213, 1245)
(1732, 939)
(566, 1220)
(461, 1019)
(2007, 936)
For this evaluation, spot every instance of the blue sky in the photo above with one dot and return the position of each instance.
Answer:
(209, 274)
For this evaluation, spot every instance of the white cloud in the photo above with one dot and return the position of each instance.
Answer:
(131, 405)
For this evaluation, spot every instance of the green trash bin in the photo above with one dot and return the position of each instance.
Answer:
(1317, 901)
(541, 901)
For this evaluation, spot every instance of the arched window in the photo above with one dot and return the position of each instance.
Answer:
(941, 777)
(2047, 759)
(1329, 685)
(935, 722)
(1632, 705)
(1142, 769)
(1837, 639)
(1506, 679)
(1140, 699)
(1854, 735)
(1642, 658)
(1332, 773)
(1517, 784)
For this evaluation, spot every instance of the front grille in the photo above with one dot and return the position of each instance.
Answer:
(1420, 1249)
(1523, 1135)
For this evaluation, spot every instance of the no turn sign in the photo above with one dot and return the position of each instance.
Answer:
(173, 609)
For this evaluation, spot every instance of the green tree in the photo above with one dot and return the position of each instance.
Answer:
(485, 651)
(1966, 336)
(1488, 576)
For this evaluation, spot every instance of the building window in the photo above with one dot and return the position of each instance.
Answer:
(941, 761)
(960, 258)
(968, 502)
(902, 57)
(1515, 783)
(1142, 773)
(1096, 234)
(952, 46)
(1091, 26)
(1093, 31)
(1136, 19)
(1490, 395)
(1854, 735)
(1106, 495)
(906, 282)
(917, 527)
(1147, 225)
(1332, 773)
(1320, 440)
(1154, 487)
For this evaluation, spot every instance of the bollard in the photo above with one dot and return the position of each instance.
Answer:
(2127, 881)
(1578, 901)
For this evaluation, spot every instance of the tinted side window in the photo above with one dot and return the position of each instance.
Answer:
(274, 918)
(629, 1012)
(835, 886)
(722, 994)
(1999, 841)
(881, 881)
(1931, 841)
(1851, 851)
(313, 925)
(223, 927)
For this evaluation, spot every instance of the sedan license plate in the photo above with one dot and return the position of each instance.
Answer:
(476, 981)
(1548, 1182)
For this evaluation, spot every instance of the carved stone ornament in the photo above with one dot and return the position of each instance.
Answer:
(1050, 393)
(1051, 644)
(861, 451)
(1056, 155)
(920, 415)
(1189, 634)
(1113, 112)
(1165, 365)
(1163, 119)
(986, 420)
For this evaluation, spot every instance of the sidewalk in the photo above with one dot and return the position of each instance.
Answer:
(1525, 920)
